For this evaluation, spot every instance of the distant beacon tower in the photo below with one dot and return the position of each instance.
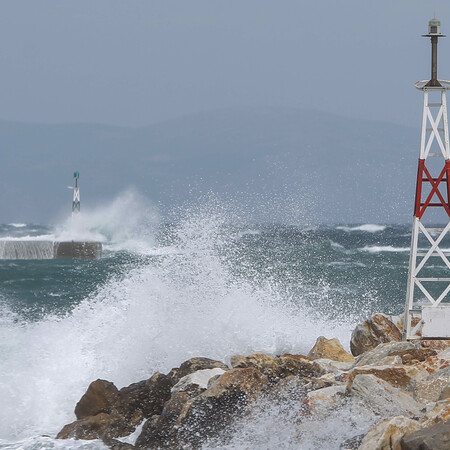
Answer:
(427, 311)
(76, 194)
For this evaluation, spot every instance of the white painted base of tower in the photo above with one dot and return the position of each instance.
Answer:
(436, 321)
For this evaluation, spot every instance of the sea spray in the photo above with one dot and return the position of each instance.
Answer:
(207, 285)
(127, 222)
(182, 303)
(280, 420)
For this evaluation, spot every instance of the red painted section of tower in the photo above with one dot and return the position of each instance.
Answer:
(418, 188)
(424, 176)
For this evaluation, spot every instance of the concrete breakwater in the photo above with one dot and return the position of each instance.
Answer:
(29, 249)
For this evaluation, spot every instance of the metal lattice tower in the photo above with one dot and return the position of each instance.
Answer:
(427, 311)
(76, 194)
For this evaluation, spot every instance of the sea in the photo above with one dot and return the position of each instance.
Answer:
(204, 284)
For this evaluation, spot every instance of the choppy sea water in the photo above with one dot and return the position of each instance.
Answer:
(162, 293)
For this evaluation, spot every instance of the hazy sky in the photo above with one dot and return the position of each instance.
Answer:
(136, 62)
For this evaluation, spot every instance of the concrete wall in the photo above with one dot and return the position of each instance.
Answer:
(81, 250)
(28, 249)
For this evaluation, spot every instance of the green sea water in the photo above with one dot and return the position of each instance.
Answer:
(198, 287)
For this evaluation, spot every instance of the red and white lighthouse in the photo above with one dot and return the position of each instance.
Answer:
(427, 311)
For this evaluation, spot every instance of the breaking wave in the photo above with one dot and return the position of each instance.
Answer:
(184, 302)
(370, 228)
(384, 248)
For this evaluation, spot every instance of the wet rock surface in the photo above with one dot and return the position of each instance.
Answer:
(436, 437)
(376, 330)
(388, 433)
(100, 397)
(330, 349)
(403, 386)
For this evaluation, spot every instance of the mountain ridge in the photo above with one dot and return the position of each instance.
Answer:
(338, 165)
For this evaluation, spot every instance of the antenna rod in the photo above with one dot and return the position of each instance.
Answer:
(434, 44)
(434, 32)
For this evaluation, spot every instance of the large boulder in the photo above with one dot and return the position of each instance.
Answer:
(440, 413)
(101, 426)
(194, 364)
(436, 344)
(435, 437)
(397, 376)
(91, 427)
(101, 397)
(322, 400)
(384, 399)
(159, 431)
(376, 330)
(379, 354)
(435, 387)
(104, 412)
(276, 368)
(414, 355)
(145, 398)
(212, 411)
(187, 421)
(388, 433)
(330, 349)
(197, 382)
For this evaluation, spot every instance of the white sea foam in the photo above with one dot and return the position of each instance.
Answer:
(48, 443)
(186, 304)
(369, 227)
(17, 225)
(241, 234)
(346, 264)
(384, 248)
(127, 222)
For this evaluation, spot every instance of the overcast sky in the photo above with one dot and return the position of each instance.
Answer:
(137, 62)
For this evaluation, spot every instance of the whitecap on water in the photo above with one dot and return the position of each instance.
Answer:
(369, 227)
(384, 248)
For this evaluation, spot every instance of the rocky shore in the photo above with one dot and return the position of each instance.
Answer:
(405, 386)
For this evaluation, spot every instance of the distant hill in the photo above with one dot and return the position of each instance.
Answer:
(285, 164)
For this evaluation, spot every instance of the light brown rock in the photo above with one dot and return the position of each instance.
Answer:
(440, 413)
(321, 400)
(386, 435)
(435, 344)
(248, 381)
(431, 389)
(384, 399)
(376, 355)
(330, 349)
(278, 367)
(268, 365)
(414, 355)
(397, 376)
